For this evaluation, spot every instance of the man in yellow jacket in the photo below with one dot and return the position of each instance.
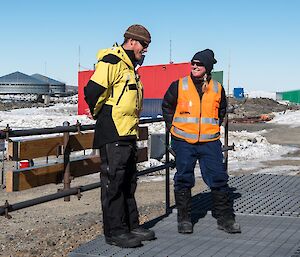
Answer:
(193, 109)
(114, 95)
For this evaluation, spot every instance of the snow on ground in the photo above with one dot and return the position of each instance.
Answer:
(42, 117)
(250, 148)
(290, 118)
(33, 97)
(263, 94)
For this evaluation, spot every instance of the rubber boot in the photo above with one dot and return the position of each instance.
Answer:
(183, 199)
(224, 213)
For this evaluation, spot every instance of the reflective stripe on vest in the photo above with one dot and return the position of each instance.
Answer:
(215, 87)
(185, 85)
(194, 136)
(184, 134)
(209, 136)
(211, 121)
(186, 120)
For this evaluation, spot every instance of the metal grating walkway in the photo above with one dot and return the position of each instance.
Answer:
(267, 208)
(259, 194)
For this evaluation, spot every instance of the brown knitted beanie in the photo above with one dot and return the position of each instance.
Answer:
(138, 32)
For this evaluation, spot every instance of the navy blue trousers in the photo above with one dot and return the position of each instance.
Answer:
(210, 157)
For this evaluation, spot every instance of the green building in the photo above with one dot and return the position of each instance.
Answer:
(292, 96)
(218, 76)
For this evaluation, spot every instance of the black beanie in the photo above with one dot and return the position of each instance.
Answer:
(207, 57)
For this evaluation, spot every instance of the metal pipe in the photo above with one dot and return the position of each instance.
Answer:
(48, 198)
(143, 121)
(157, 168)
(167, 172)
(227, 148)
(43, 131)
(72, 191)
(226, 142)
(2, 169)
(67, 152)
(59, 129)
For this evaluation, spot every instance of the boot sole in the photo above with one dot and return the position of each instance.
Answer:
(185, 232)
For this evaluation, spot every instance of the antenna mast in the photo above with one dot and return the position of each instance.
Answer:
(79, 58)
(228, 82)
(171, 51)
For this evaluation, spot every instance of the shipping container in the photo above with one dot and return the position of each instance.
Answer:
(152, 107)
(155, 78)
(293, 96)
(238, 93)
(83, 79)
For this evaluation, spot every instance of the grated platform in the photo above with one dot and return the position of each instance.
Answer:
(267, 208)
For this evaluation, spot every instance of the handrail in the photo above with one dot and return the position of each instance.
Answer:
(67, 192)
(5, 209)
(7, 132)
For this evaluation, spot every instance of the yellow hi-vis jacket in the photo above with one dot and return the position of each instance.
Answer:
(124, 91)
(197, 120)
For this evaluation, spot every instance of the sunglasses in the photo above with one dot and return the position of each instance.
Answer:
(199, 64)
(143, 43)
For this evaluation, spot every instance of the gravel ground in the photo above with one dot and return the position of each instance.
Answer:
(57, 227)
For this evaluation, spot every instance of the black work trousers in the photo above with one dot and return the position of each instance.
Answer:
(118, 185)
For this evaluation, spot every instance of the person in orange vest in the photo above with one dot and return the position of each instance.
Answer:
(194, 108)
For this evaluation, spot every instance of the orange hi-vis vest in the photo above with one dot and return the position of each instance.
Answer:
(197, 120)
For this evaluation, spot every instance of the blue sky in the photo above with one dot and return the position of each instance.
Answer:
(260, 39)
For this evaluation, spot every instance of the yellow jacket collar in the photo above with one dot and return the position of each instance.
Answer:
(117, 51)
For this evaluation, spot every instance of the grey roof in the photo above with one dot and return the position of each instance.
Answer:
(48, 80)
(20, 78)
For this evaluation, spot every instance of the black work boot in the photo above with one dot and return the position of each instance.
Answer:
(183, 199)
(143, 234)
(223, 212)
(126, 240)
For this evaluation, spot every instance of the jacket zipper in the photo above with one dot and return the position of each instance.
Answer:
(112, 92)
(123, 91)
